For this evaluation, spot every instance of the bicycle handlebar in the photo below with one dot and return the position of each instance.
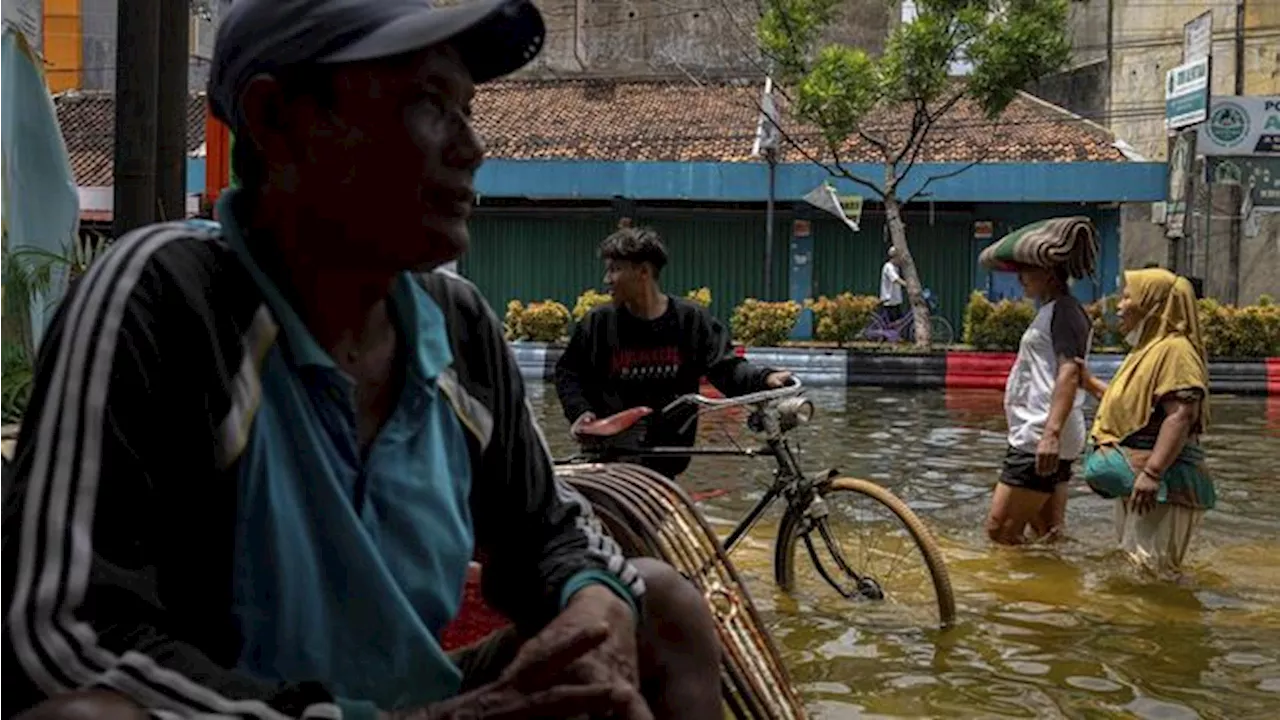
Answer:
(789, 390)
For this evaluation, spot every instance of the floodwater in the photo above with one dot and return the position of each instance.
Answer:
(1068, 630)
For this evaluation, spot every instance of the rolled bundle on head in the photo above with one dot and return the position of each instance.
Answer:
(1067, 242)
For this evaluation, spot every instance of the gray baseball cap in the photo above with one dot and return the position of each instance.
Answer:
(494, 37)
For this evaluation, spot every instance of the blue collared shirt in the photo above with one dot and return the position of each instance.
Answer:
(347, 568)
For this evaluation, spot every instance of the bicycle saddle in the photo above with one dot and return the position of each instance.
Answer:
(613, 425)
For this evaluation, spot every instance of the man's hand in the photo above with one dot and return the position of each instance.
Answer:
(533, 686)
(1143, 497)
(583, 419)
(1047, 453)
(778, 379)
(610, 663)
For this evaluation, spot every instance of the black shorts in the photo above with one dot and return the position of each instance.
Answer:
(1020, 471)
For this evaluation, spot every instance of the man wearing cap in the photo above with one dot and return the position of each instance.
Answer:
(259, 456)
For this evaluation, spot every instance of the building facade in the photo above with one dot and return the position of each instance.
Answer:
(79, 42)
(648, 111)
(1122, 51)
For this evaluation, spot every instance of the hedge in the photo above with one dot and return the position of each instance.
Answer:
(1252, 331)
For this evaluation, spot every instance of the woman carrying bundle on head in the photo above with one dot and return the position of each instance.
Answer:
(1145, 450)
(1043, 397)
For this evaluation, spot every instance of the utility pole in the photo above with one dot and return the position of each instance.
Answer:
(151, 113)
(1237, 190)
(137, 97)
(171, 123)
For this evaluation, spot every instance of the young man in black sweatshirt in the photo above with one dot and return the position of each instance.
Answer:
(648, 348)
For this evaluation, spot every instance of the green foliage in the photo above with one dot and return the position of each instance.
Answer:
(512, 326)
(701, 296)
(1106, 323)
(842, 318)
(546, 321)
(1022, 41)
(588, 301)
(1009, 43)
(767, 324)
(15, 385)
(1240, 332)
(996, 326)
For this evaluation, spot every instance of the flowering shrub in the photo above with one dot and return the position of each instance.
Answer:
(759, 323)
(511, 320)
(1252, 331)
(1106, 324)
(701, 296)
(996, 326)
(588, 301)
(545, 321)
(842, 318)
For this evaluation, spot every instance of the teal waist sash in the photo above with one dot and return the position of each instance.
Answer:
(1109, 473)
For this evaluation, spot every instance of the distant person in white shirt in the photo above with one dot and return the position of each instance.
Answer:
(1042, 403)
(891, 284)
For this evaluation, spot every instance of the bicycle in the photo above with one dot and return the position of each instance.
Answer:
(883, 329)
(809, 497)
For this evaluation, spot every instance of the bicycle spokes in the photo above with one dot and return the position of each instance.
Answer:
(864, 587)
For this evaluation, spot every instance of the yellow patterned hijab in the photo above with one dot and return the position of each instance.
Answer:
(1169, 356)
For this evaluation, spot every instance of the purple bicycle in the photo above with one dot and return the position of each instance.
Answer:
(882, 328)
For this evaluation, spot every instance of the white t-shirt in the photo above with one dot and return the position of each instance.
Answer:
(890, 290)
(1060, 328)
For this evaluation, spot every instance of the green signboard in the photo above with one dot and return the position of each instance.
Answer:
(1258, 175)
(1186, 96)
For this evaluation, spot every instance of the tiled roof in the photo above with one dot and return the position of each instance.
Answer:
(88, 123)
(690, 122)
(655, 120)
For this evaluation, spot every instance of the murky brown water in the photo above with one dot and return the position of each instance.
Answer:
(1062, 631)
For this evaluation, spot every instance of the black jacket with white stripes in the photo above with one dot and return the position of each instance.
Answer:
(119, 515)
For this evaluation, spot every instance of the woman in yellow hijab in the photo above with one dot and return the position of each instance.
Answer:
(1145, 438)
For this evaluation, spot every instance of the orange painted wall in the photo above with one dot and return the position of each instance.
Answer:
(63, 44)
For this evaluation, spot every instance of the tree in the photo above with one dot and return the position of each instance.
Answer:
(836, 88)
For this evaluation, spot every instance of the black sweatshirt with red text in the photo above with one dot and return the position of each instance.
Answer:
(616, 361)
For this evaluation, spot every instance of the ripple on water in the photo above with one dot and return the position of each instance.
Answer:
(1066, 630)
(1093, 684)
(1152, 709)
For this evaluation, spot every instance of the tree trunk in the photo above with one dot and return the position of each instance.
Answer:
(915, 291)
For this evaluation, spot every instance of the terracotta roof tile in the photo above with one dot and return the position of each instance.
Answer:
(88, 121)
(656, 120)
(683, 121)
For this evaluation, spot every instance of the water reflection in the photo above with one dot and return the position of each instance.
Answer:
(1068, 631)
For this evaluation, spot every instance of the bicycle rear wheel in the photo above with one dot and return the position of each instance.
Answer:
(859, 541)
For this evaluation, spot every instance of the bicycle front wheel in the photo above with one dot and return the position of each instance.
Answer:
(858, 541)
(940, 331)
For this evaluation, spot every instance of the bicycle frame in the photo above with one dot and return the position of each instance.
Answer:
(789, 479)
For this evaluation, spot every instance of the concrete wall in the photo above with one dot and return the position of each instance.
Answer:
(637, 38)
(98, 31)
(1082, 88)
(1146, 42)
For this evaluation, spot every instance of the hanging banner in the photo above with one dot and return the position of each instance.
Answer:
(27, 16)
(846, 207)
(1241, 125)
(1186, 96)
(1180, 164)
(768, 136)
(1260, 177)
